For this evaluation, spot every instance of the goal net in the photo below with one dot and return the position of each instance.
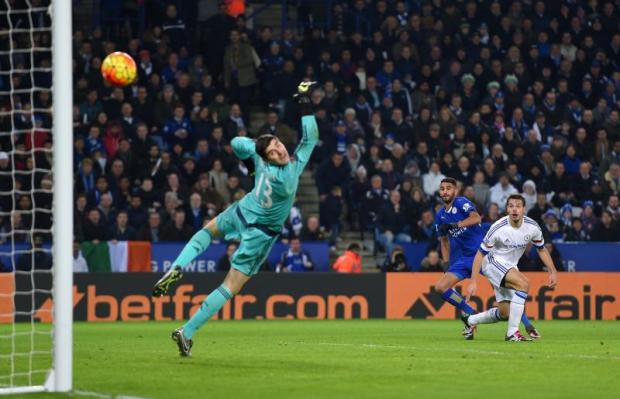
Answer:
(35, 196)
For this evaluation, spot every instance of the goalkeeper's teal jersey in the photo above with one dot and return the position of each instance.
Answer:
(270, 202)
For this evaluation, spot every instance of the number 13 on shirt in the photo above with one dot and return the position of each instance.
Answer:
(266, 193)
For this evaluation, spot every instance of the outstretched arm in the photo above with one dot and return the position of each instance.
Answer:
(310, 136)
(243, 147)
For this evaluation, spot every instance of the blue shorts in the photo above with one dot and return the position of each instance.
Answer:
(462, 267)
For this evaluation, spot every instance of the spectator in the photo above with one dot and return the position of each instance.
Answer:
(332, 172)
(312, 230)
(606, 229)
(79, 263)
(137, 214)
(392, 224)
(350, 261)
(223, 263)
(529, 193)
(275, 127)
(209, 196)
(553, 227)
(540, 207)
(94, 228)
(576, 231)
(239, 69)
(37, 258)
(218, 179)
(196, 212)
(612, 179)
(501, 191)
(152, 232)
(330, 210)
(295, 259)
(176, 229)
(397, 261)
(482, 191)
(613, 207)
(432, 179)
(122, 231)
(178, 129)
(433, 263)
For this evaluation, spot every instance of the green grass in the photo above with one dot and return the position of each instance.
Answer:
(347, 359)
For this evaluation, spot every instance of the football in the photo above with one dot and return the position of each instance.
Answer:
(119, 69)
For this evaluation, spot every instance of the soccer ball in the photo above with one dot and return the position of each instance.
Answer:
(119, 69)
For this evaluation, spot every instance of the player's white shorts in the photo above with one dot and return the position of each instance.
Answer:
(495, 272)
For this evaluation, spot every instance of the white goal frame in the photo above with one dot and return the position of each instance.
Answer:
(60, 377)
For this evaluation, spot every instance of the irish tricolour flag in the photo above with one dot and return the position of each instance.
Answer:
(117, 256)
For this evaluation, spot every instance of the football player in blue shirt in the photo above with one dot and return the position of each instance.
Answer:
(460, 233)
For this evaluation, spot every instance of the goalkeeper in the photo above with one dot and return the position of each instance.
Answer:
(255, 220)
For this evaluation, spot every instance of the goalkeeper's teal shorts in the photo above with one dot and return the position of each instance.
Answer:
(256, 240)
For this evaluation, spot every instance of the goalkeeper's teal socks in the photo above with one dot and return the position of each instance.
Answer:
(457, 300)
(209, 307)
(197, 245)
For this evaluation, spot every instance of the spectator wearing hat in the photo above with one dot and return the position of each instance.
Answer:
(553, 227)
(588, 217)
(529, 193)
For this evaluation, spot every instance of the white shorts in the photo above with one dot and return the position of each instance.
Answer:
(495, 272)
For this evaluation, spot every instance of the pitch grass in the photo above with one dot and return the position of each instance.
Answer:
(346, 359)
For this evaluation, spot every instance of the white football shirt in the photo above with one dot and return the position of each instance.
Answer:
(506, 244)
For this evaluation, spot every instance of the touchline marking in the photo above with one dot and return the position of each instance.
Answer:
(478, 351)
(100, 395)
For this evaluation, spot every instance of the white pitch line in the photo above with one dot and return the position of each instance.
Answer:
(100, 395)
(478, 351)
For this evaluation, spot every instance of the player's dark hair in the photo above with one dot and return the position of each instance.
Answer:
(450, 180)
(262, 142)
(515, 197)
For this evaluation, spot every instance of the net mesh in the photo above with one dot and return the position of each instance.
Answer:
(25, 192)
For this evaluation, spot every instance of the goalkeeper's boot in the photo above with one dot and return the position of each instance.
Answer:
(468, 330)
(170, 277)
(517, 337)
(184, 344)
(533, 333)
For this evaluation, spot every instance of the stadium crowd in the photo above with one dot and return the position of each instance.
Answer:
(505, 96)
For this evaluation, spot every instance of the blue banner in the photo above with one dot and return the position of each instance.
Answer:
(163, 254)
(576, 256)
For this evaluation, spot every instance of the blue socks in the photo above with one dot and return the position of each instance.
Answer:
(457, 300)
(197, 245)
(526, 322)
(214, 302)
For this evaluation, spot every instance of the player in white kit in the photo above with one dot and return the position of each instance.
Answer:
(498, 256)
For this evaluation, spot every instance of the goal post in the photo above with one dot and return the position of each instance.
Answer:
(62, 130)
(36, 196)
